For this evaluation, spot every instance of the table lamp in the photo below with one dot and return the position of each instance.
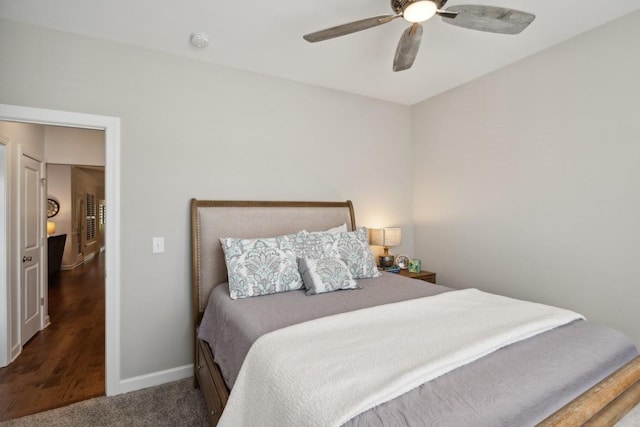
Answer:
(51, 228)
(386, 237)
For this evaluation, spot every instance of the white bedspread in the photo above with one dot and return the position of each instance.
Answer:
(326, 371)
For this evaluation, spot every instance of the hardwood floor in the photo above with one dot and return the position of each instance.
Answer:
(65, 362)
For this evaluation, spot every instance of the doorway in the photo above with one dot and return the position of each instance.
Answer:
(111, 127)
(62, 360)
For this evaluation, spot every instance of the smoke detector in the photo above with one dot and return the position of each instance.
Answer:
(200, 40)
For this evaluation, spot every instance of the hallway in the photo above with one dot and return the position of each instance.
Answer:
(64, 363)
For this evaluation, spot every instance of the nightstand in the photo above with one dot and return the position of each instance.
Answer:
(427, 276)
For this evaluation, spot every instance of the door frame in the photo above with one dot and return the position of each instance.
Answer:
(111, 128)
(5, 249)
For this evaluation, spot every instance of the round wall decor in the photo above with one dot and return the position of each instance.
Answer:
(53, 207)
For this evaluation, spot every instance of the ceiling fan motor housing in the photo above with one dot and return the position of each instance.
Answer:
(398, 6)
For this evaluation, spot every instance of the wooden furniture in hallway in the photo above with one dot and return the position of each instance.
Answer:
(64, 363)
(55, 250)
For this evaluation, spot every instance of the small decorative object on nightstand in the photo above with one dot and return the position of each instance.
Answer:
(427, 276)
(402, 261)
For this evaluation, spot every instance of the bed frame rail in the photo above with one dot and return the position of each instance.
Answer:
(603, 404)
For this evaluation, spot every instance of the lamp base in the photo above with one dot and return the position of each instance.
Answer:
(386, 261)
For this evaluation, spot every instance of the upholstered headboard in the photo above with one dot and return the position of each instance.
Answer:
(211, 219)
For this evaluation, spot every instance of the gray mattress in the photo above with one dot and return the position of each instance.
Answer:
(518, 385)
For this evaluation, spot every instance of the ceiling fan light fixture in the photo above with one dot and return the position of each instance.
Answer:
(419, 10)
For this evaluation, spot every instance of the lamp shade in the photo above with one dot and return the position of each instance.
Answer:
(386, 236)
(51, 228)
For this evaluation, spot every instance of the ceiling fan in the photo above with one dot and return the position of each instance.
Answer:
(476, 17)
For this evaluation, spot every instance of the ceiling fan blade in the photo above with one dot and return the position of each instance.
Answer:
(447, 14)
(351, 27)
(489, 18)
(408, 48)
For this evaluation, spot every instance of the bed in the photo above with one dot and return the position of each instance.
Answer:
(601, 395)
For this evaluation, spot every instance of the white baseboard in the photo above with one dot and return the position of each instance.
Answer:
(79, 263)
(15, 352)
(153, 379)
(70, 266)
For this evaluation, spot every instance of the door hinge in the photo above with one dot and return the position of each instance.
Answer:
(41, 300)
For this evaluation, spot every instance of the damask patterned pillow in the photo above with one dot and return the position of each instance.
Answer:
(351, 247)
(261, 266)
(325, 275)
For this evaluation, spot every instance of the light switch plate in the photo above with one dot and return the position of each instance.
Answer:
(158, 245)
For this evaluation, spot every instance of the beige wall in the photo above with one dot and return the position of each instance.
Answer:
(191, 129)
(30, 137)
(74, 146)
(59, 188)
(526, 181)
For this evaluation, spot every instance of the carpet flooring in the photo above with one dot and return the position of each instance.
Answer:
(173, 404)
(632, 419)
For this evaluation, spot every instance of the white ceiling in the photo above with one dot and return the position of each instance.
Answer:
(266, 37)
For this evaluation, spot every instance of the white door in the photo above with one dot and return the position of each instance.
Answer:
(31, 236)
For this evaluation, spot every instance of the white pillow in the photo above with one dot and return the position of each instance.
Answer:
(339, 229)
